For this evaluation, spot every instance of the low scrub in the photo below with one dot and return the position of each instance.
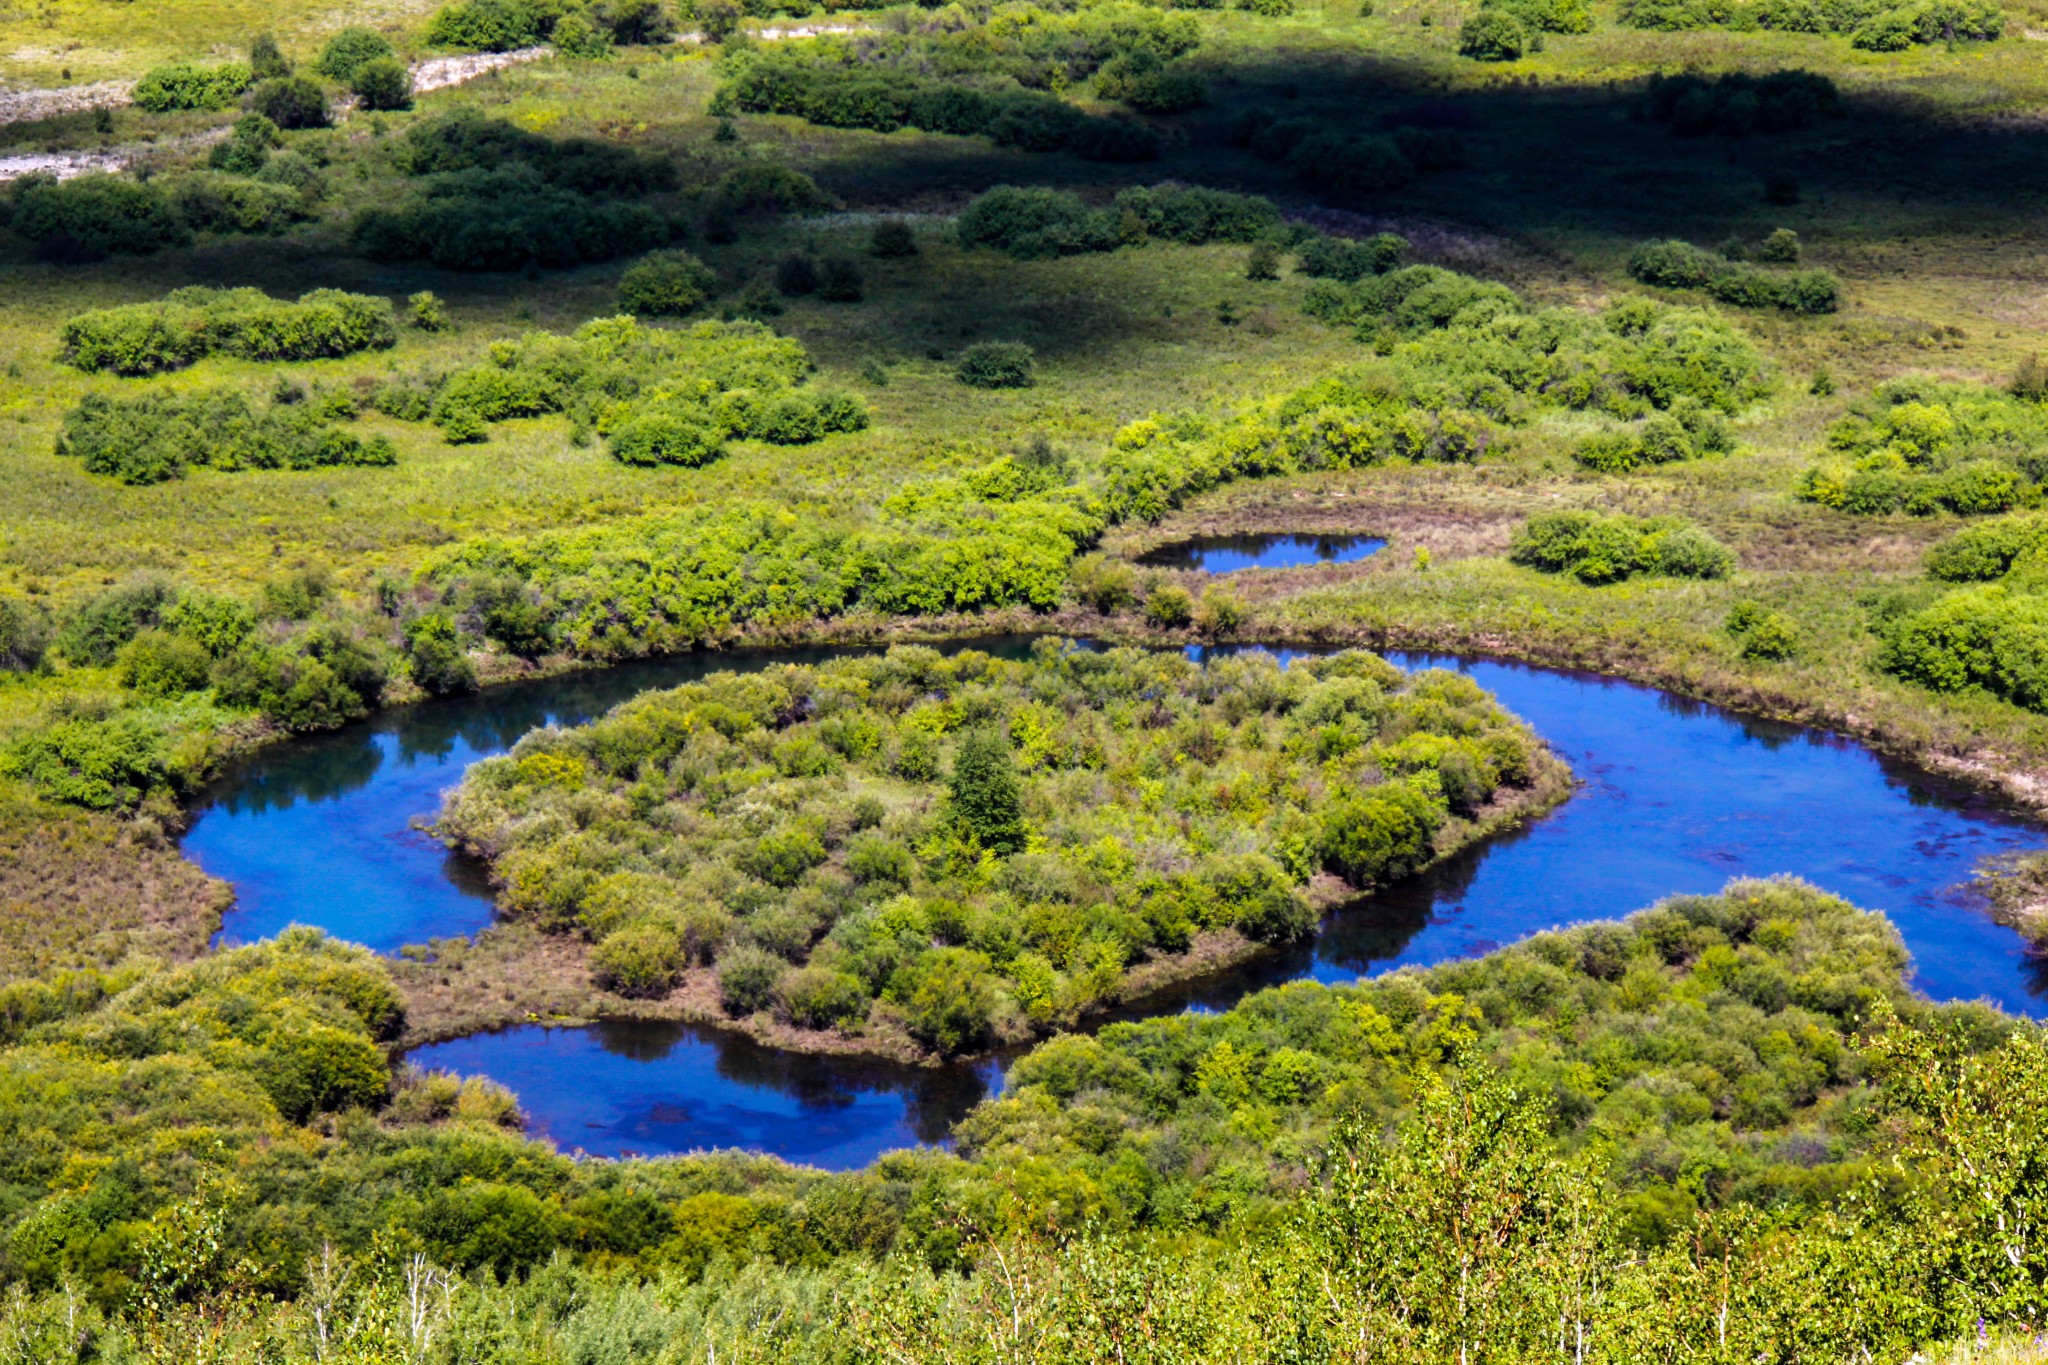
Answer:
(93, 216)
(1738, 104)
(189, 323)
(1596, 549)
(160, 436)
(1035, 223)
(1873, 25)
(184, 86)
(1922, 446)
(952, 849)
(1681, 265)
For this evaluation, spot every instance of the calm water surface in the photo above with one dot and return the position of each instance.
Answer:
(1228, 554)
(1676, 797)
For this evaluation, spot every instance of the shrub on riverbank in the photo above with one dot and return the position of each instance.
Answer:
(1048, 870)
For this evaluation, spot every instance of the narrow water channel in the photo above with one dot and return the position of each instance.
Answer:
(1676, 797)
(1280, 550)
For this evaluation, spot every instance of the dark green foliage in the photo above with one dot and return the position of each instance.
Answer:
(796, 274)
(266, 60)
(505, 221)
(747, 977)
(643, 961)
(1874, 25)
(183, 86)
(24, 636)
(2030, 380)
(765, 189)
(349, 50)
(857, 97)
(1738, 104)
(578, 35)
(1606, 549)
(465, 140)
(92, 216)
(1687, 431)
(1262, 263)
(947, 997)
(382, 83)
(1993, 637)
(488, 25)
(291, 102)
(1030, 223)
(160, 435)
(1979, 554)
(996, 365)
(892, 240)
(160, 664)
(666, 284)
(840, 280)
(248, 147)
(982, 799)
(1548, 16)
(435, 657)
(1921, 446)
(1150, 85)
(1681, 265)
(1496, 35)
(221, 203)
(324, 678)
(95, 631)
(1347, 261)
(100, 762)
(147, 338)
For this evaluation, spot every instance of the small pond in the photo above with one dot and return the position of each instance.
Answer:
(1676, 797)
(1228, 554)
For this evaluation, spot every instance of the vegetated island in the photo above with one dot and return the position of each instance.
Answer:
(923, 856)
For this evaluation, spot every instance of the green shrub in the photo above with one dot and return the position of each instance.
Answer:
(266, 60)
(147, 338)
(349, 50)
(219, 203)
(747, 978)
(92, 216)
(840, 280)
(108, 763)
(160, 435)
(1738, 104)
(948, 999)
(1495, 35)
(659, 438)
(642, 961)
(383, 83)
(996, 365)
(1169, 606)
(94, 632)
(435, 656)
(1986, 637)
(1605, 549)
(666, 284)
(487, 26)
(163, 89)
(892, 240)
(159, 664)
(1029, 223)
(24, 636)
(577, 35)
(1920, 446)
(818, 997)
(426, 311)
(1762, 633)
(291, 102)
(982, 798)
(248, 147)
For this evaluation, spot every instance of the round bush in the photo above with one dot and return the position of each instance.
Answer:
(747, 977)
(666, 284)
(893, 239)
(665, 438)
(349, 50)
(997, 365)
(643, 961)
(383, 83)
(1494, 35)
(817, 997)
(291, 102)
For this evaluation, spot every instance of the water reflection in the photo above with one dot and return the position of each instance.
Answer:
(645, 1087)
(1228, 554)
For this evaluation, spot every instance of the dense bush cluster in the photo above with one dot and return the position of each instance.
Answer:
(1687, 430)
(91, 216)
(1034, 223)
(490, 196)
(147, 338)
(581, 30)
(854, 97)
(1923, 446)
(1681, 265)
(1874, 25)
(659, 396)
(1328, 154)
(666, 284)
(184, 86)
(1643, 1136)
(1991, 636)
(964, 848)
(1596, 548)
(1738, 104)
(160, 436)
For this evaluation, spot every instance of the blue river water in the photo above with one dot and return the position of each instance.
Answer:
(1228, 554)
(1676, 797)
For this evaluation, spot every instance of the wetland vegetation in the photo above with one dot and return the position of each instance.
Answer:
(355, 359)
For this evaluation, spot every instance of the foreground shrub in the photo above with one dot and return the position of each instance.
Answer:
(383, 83)
(1606, 549)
